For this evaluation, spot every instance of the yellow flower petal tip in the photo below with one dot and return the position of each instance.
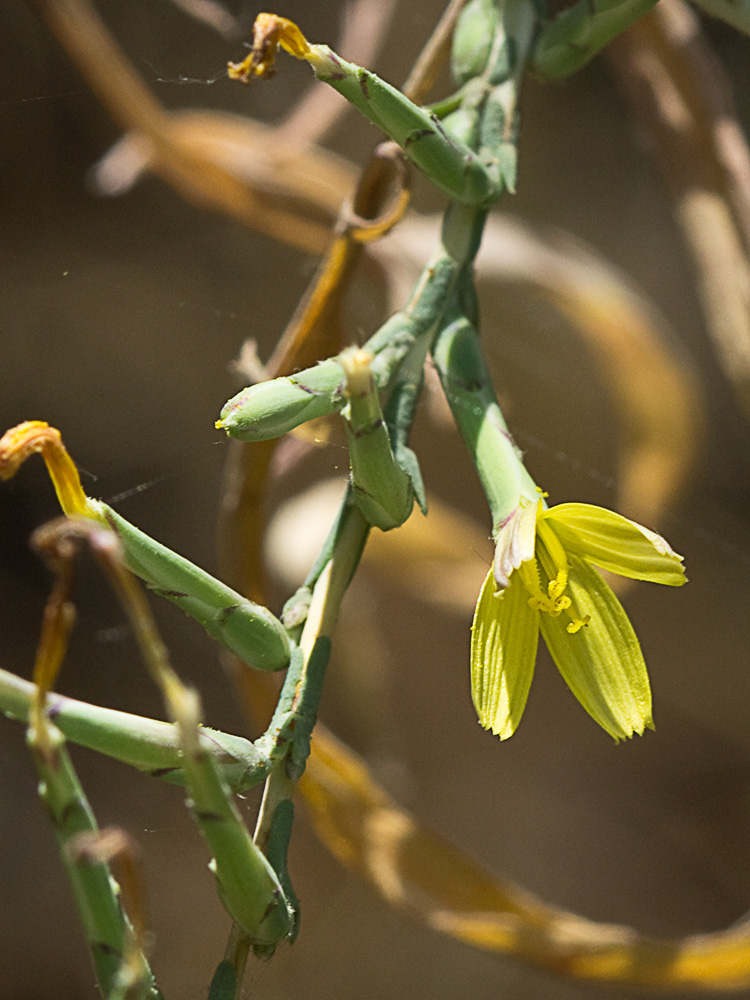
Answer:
(35, 437)
(269, 33)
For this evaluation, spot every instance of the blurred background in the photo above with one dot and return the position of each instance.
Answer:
(118, 321)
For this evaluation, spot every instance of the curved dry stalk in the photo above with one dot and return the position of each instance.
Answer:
(443, 887)
(308, 186)
(177, 154)
(681, 99)
(269, 179)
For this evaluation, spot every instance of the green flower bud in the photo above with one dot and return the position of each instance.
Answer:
(472, 39)
(245, 628)
(269, 409)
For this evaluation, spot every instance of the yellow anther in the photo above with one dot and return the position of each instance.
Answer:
(561, 603)
(36, 437)
(556, 587)
(552, 607)
(577, 624)
(551, 563)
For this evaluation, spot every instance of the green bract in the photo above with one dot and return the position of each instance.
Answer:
(543, 580)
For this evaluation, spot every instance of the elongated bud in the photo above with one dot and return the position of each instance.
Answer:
(269, 409)
(247, 629)
(452, 168)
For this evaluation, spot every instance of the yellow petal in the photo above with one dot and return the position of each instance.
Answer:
(601, 662)
(504, 640)
(613, 542)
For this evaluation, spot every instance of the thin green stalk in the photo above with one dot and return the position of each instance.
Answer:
(149, 745)
(471, 396)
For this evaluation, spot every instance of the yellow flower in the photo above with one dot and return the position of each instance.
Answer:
(543, 580)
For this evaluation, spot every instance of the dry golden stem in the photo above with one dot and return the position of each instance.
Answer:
(172, 154)
(681, 99)
(433, 55)
(439, 885)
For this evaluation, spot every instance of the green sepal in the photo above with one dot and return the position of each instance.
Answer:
(306, 712)
(277, 847)
(246, 882)
(497, 136)
(463, 125)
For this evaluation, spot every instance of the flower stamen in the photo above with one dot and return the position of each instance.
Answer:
(549, 560)
(576, 624)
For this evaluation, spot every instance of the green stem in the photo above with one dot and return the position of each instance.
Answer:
(468, 388)
(146, 744)
(96, 894)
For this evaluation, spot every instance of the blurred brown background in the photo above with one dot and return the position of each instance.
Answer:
(117, 322)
